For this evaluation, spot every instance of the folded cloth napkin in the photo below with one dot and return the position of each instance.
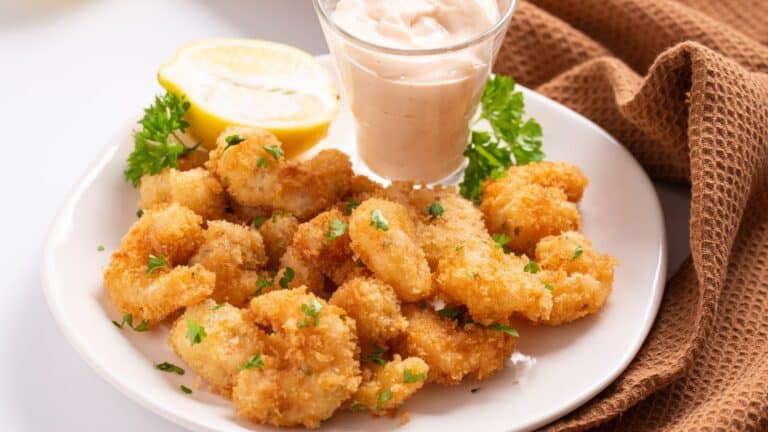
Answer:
(683, 84)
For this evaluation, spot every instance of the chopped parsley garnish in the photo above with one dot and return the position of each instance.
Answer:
(278, 214)
(258, 221)
(511, 141)
(338, 228)
(549, 286)
(218, 306)
(423, 305)
(356, 406)
(383, 398)
(128, 319)
(275, 151)
(577, 252)
(312, 312)
(472, 275)
(435, 210)
(139, 213)
(409, 377)
(170, 368)
(504, 329)
(254, 362)
(377, 356)
(378, 220)
(262, 283)
(195, 332)
(459, 248)
(351, 206)
(475, 390)
(100, 248)
(451, 312)
(185, 389)
(158, 144)
(156, 262)
(307, 371)
(288, 275)
(262, 162)
(231, 141)
(501, 240)
(359, 263)
(532, 267)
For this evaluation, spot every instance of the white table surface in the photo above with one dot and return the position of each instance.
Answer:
(70, 72)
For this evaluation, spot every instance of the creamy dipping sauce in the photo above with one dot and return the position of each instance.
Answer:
(413, 111)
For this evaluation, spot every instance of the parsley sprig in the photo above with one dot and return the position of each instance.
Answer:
(511, 141)
(159, 144)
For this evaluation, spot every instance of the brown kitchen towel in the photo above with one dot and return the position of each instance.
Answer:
(683, 84)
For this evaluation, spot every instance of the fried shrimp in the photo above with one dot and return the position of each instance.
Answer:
(452, 350)
(580, 278)
(324, 242)
(374, 307)
(388, 387)
(313, 362)
(230, 342)
(533, 201)
(195, 189)
(277, 232)
(236, 254)
(147, 276)
(256, 174)
(383, 236)
(295, 272)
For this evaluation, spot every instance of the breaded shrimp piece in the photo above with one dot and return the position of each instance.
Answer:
(277, 232)
(236, 254)
(324, 242)
(169, 234)
(454, 351)
(361, 188)
(304, 273)
(383, 236)
(561, 175)
(313, 365)
(230, 341)
(580, 278)
(388, 387)
(195, 189)
(374, 307)
(526, 213)
(255, 174)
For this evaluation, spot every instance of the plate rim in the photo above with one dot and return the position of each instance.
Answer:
(97, 164)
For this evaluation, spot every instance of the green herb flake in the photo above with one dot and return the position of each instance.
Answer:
(549, 286)
(312, 312)
(288, 275)
(100, 248)
(501, 240)
(377, 356)
(352, 204)
(451, 312)
(185, 389)
(262, 283)
(409, 377)
(139, 213)
(128, 320)
(532, 267)
(423, 305)
(579, 251)
(262, 162)
(337, 229)
(232, 141)
(435, 210)
(275, 151)
(155, 262)
(218, 306)
(258, 221)
(459, 248)
(475, 390)
(385, 396)
(504, 329)
(378, 220)
(170, 368)
(195, 332)
(472, 275)
(356, 406)
(307, 371)
(254, 362)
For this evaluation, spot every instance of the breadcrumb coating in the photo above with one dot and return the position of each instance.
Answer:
(170, 233)
(195, 189)
(278, 231)
(385, 388)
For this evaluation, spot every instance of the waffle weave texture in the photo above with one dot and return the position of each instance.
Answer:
(683, 84)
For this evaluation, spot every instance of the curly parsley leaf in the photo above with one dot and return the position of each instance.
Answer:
(435, 210)
(157, 144)
(511, 140)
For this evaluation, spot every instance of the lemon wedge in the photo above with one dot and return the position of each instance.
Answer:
(255, 83)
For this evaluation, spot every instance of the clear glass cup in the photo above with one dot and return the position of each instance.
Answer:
(413, 107)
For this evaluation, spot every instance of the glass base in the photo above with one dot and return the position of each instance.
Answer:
(452, 179)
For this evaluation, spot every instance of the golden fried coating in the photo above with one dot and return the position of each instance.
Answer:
(374, 307)
(166, 238)
(236, 254)
(324, 243)
(195, 189)
(388, 387)
(304, 273)
(255, 174)
(561, 175)
(454, 351)
(277, 232)
(580, 278)
(383, 236)
(230, 341)
(312, 365)
(361, 188)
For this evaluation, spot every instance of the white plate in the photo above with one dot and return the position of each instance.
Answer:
(571, 364)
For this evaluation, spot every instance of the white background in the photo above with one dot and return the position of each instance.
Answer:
(71, 71)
